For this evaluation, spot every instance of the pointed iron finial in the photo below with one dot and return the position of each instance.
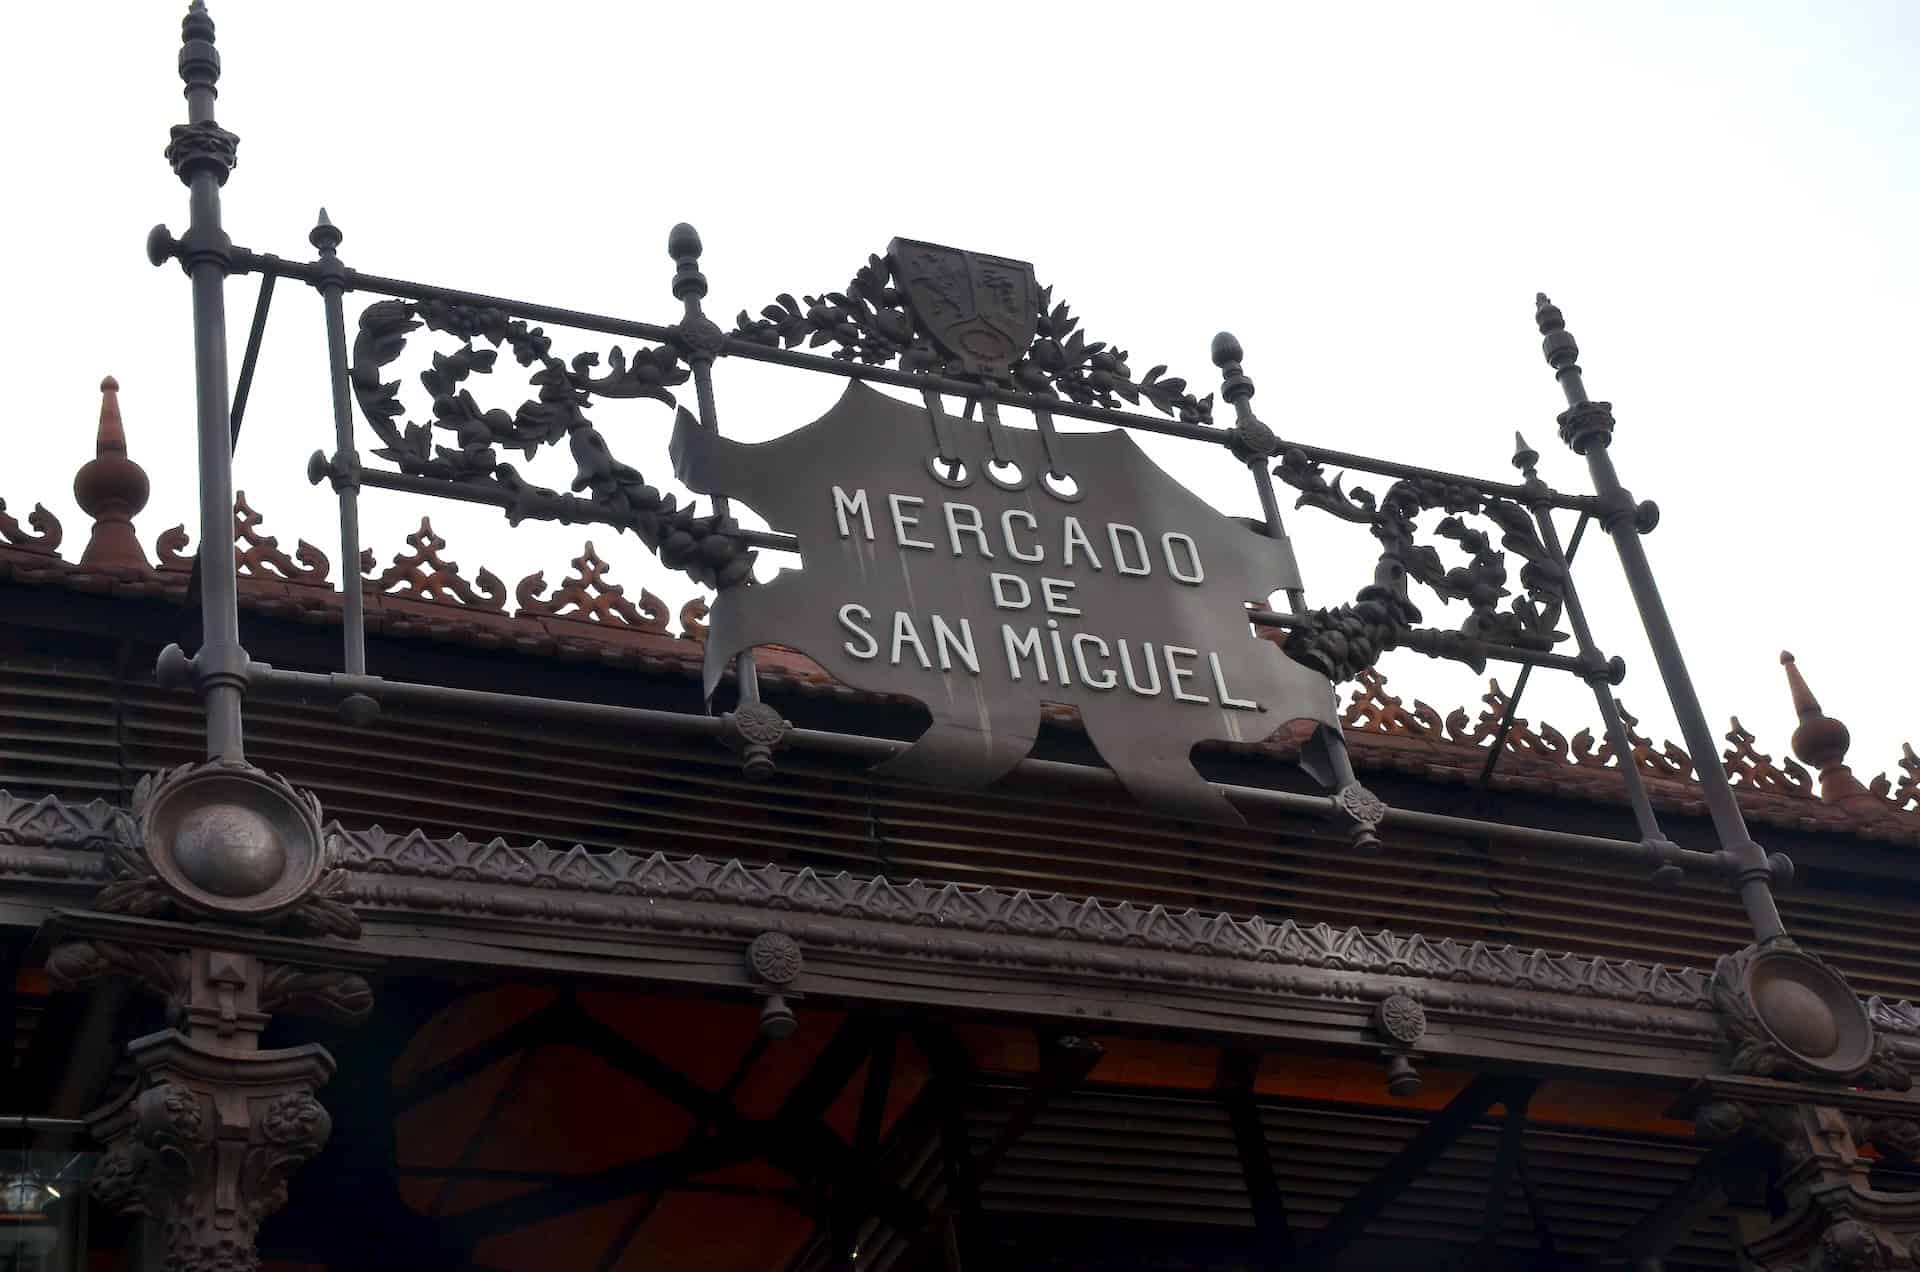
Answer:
(1559, 348)
(1525, 458)
(1820, 741)
(199, 61)
(198, 24)
(1585, 423)
(111, 489)
(325, 235)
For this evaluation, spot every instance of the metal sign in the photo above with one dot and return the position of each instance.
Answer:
(986, 589)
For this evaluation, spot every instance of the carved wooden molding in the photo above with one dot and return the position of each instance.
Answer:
(44, 540)
(257, 555)
(587, 596)
(423, 575)
(554, 872)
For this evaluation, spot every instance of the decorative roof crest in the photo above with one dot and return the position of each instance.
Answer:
(586, 596)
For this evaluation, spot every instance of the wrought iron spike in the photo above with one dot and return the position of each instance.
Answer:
(325, 235)
(1525, 458)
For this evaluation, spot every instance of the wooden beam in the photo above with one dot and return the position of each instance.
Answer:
(1702, 1193)
(1065, 1063)
(529, 1031)
(1505, 1163)
(1273, 1236)
(1403, 1168)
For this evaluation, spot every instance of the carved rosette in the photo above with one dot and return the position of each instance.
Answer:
(774, 960)
(1364, 811)
(1788, 1015)
(204, 1142)
(1401, 1022)
(754, 731)
(230, 842)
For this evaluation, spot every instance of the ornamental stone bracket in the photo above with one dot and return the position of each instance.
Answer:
(1804, 1147)
(204, 1142)
(221, 901)
(206, 1135)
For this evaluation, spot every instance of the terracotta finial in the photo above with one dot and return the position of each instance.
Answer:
(1820, 742)
(111, 489)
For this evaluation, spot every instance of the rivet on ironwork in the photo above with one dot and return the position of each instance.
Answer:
(754, 731)
(1667, 875)
(342, 471)
(161, 245)
(1598, 671)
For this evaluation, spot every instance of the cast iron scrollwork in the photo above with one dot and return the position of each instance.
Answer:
(1344, 641)
(873, 321)
(702, 546)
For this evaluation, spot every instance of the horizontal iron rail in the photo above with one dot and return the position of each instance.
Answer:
(245, 261)
(1499, 653)
(1099, 783)
(575, 511)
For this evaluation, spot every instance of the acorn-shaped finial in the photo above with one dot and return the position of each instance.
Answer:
(1227, 350)
(683, 242)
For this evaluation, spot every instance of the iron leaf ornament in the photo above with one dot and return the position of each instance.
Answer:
(963, 315)
(614, 492)
(1346, 640)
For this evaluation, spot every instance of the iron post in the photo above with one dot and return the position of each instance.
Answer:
(1597, 673)
(344, 469)
(1586, 426)
(700, 340)
(203, 154)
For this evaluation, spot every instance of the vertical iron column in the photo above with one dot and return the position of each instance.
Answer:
(1599, 676)
(700, 339)
(203, 154)
(1586, 426)
(1254, 444)
(345, 467)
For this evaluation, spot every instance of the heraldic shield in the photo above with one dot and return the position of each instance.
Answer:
(979, 309)
(985, 598)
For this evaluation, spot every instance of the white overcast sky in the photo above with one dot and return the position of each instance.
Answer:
(1723, 199)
